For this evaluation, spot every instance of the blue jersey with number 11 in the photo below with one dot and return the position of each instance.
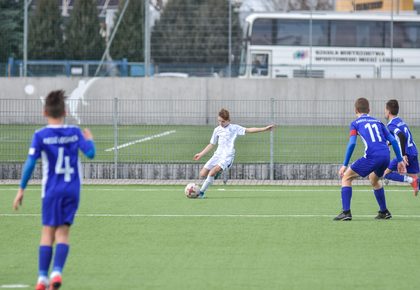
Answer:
(58, 146)
(374, 135)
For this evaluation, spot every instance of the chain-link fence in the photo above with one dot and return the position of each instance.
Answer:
(217, 38)
(158, 138)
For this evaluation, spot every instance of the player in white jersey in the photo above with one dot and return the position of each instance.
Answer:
(224, 135)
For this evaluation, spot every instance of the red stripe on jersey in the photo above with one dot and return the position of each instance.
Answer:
(353, 132)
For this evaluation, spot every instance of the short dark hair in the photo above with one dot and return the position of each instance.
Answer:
(224, 114)
(55, 106)
(362, 105)
(393, 107)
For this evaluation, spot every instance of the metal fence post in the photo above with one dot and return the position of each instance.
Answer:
(115, 121)
(229, 74)
(26, 4)
(272, 140)
(146, 39)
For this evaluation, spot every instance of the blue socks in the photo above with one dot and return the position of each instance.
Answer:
(45, 255)
(380, 198)
(395, 176)
(61, 252)
(346, 193)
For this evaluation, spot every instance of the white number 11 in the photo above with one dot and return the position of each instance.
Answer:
(375, 126)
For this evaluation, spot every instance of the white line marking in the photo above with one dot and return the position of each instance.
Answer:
(208, 215)
(141, 140)
(14, 286)
(174, 189)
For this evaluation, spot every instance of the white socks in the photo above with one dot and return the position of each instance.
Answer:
(43, 280)
(408, 179)
(209, 181)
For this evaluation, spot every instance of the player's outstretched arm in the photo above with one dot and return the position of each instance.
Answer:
(203, 152)
(257, 130)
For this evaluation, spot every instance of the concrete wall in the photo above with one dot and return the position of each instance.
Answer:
(172, 100)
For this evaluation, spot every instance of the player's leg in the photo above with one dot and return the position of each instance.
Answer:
(61, 252)
(205, 173)
(346, 194)
(45, 256)
(66, 211)
(391, 173)
(412, 171)
(379, 191)
(209, 180)
(415, 183)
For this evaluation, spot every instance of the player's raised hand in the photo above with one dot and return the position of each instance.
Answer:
(401, 167)
(18, 199)
(342, 170)
(269, 127)
(87, 134)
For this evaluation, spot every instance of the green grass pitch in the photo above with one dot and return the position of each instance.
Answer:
(292, 144)
(240, 237)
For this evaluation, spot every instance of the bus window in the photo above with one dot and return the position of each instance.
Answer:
(260, 64)
(320, 33)
(262, 32)
(376, 34)
(292, 33)
(343, 33)
(406, 35)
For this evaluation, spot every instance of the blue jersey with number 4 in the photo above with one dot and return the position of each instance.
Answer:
(58, 146)
(397, 125)
(374, 135)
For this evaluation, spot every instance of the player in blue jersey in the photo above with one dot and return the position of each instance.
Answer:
(401, 131)
(373, 164)
(224, 135)
(58, 145)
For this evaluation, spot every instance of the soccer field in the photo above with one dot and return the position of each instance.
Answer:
(240, 237)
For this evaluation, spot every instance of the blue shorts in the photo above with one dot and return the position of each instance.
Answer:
(365, 166)
(58, 211)
(412, 167)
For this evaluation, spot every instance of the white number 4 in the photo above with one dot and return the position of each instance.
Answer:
(66, 170)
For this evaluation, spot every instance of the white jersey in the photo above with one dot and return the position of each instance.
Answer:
(225, 138)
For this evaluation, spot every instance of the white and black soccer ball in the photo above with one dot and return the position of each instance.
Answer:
(192, 190)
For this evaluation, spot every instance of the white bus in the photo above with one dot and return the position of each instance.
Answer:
(330, 45)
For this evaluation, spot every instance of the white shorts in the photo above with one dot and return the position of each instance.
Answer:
(223, 162)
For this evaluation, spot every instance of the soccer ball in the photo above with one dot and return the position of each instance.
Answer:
(192, 190)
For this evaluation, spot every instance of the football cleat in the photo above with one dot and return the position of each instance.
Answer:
(415, 185)
(201, 195)
(383, 215)
(344, 216)
(41, 286)
(55, 282)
